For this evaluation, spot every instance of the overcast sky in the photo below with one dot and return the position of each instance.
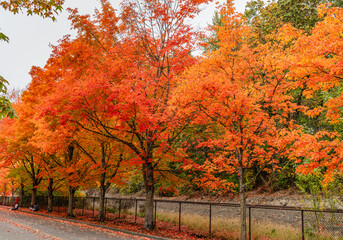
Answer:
(30, 37)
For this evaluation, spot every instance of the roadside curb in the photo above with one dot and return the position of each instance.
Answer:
(93, 225)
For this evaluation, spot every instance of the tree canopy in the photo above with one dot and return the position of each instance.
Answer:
(126, 99)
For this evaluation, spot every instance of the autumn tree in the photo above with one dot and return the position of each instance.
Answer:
(158, 30)
(107, 158)
(3, 186)
(239, 92)
(15, 135)
(63, 157)
(266, 18)
(74, 62)
(127, 80)
(317, 64)
(52, 179)
(30, 99)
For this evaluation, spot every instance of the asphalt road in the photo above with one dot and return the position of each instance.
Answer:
(15, 225)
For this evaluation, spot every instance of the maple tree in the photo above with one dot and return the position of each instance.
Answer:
(15, 135)
(41, 85)
(240, 93)
(63, 158)
(126, 81)
(37, 160)
(106, 158)
(3, 186)
(313, 102)
(84, 156)
(319, 70)
(159, 31)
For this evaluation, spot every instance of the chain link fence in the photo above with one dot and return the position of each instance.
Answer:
(217, 220)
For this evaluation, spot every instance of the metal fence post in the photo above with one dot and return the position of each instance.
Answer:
(210, 224)
(302, 225)
(179, 216)
(249, 223)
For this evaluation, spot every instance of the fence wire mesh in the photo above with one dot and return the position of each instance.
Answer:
(323, 225)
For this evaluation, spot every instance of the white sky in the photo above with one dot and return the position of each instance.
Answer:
(30, 37)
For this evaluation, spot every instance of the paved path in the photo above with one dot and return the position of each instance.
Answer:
(16, 225)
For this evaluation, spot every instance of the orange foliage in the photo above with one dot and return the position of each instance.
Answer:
(242, 90)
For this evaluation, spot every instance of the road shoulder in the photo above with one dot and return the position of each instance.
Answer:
(90, 224)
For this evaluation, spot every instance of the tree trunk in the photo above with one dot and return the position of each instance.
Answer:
(242, 199)
(21, 194)
(148, 175)
(102, 204)
(71, 202)
(13, 190)
(50, 195)
(3, 200)
(34, 196)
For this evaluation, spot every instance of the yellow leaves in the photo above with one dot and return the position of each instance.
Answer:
(334, 109)
(315, 112)
(287, 34)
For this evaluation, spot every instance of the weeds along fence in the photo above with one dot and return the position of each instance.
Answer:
(217, 220)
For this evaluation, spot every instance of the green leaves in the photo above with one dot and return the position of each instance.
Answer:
(301, 14)
(3, 88)
(3, 37)
(6, 109)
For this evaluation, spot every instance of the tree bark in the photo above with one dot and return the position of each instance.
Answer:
(148, 175)
(242, 199)
(71, 202)
(21, 194)
(34, 196)
(243, 209)
(3, 200)
(102, 202)
(50, 195)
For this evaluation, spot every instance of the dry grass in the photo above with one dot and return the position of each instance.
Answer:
(224, 228)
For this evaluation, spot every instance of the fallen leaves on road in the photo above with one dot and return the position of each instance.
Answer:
(163, 229)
